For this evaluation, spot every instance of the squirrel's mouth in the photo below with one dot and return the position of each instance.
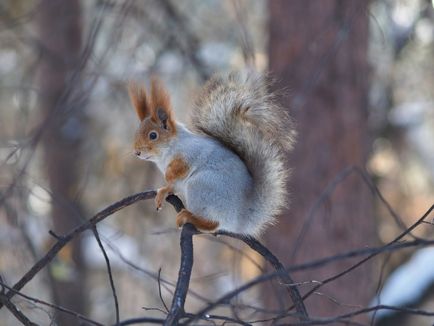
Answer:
(145, 157)
(142, 156)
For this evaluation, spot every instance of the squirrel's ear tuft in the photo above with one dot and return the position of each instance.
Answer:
(140, 101)
(161, 107)
(162, 117)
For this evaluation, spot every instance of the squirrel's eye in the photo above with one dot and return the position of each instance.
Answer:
(153, 135)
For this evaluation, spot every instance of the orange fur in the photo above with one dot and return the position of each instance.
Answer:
(148, 106)
(185, 216)
(177, 169)
(161, 100)
(161, 195)
(147, 110)
(140, 101)
(142, 141)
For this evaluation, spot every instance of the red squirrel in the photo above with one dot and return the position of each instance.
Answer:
(228, 165)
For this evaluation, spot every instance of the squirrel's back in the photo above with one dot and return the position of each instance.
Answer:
(237, 109)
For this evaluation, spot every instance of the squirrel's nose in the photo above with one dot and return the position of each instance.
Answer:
(138, 153)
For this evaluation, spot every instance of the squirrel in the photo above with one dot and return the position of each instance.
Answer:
(228, 165)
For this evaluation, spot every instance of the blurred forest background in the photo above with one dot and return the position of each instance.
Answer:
(358, 78)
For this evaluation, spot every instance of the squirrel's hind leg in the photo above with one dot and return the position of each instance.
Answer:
(185, 216)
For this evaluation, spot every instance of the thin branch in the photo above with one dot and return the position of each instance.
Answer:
(141, 320)
(63, 240)
(192, 42)
(331, 187)
(393, 246)
(12, 308)
(159, 290)
(109, 271)
(278, 266)
(16, 312)
(238, 251)
(356, 253)
(177, 308)
(224, 318)
(51, 305)
(154, 276)
(188, 231)
(385, 248)
(334, 320)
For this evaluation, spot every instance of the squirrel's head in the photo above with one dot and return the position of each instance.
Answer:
(157, 126)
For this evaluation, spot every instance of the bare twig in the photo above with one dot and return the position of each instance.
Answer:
(159, 290)
(177, 309)
(63, 240)
(371, 252)
(284, 275)
(12, 308)
(54, 306)
(109, 271)
(390, 244)
(190, 45)
(154, 276)
(331, 187)
(15, 311)
(334, 320)
(142, 320)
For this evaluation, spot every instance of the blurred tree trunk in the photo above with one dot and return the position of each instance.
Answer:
(318, 50)
(59, 28)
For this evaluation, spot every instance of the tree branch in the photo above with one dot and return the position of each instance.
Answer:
(177, 308)
(176, 311)
(188, 230)
(184, 275)
(278, 266)
(63, 240)
(109, 271)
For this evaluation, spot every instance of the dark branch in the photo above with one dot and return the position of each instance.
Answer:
(63, 240)
(109, 271)
(188, 230)
(186, 242)
(13, 309)
(159, 291)
(375, 253)
(278, 266)
(177, 308)
(54, 306)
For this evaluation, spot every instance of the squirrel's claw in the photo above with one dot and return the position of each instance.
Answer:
(159, 200)
(161, 195)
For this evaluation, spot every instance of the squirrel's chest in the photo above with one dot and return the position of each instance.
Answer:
(186, 159)
(176, 174)
(177, 169)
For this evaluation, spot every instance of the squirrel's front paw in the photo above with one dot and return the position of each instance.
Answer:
(161, 195)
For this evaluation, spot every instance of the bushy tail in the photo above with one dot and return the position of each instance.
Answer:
(237, 109)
